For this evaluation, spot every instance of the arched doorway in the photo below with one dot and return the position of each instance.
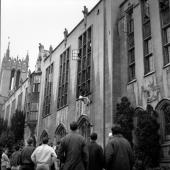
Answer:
(163, 108)
(138, 112)
(60, 132)
(84, 127)
(44, 134)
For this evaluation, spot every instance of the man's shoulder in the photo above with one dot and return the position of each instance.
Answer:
(28, 148)
(95, 144)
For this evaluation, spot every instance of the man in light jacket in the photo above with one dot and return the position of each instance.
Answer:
(5, 162)
(43, 155)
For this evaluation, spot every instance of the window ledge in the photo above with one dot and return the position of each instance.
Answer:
(148, 74)
(62, 107)
(166, 44)
(167, 65)
(132, 81)
(44, 116)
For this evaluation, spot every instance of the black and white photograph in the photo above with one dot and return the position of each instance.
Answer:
(85, 84)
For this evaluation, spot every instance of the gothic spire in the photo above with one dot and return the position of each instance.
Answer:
(27, 57)
(8, 49)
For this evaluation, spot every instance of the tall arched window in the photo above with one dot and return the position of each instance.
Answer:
(60, 132)
(84, 127)
(163, 108)
(166, 110)
(17, 78)
(44, 134)
(12, 79)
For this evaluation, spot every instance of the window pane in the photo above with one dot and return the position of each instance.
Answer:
(80, 42)
(151, 64)
(132, 72)
(167, 54)
(48, 89)
(131, 56)
(130, 40)
(168, 35)
(146, 29)
(146, 10)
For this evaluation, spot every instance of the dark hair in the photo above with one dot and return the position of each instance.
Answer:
(45, 140)
(93, 136)
(17, 148)
(58, 142)
(30, 141)
(116, 129)
(73, 126)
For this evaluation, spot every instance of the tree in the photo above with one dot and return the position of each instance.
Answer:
(7, 138)
(124, 117)
(147, 148)
(3, 125)
(17, 125)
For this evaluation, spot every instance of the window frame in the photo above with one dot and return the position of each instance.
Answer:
(164, 11)
(148, 59)
(48, 90)
(63, 84)
(130, 45)
(84, 64)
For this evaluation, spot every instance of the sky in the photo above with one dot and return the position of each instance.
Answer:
(26, 23)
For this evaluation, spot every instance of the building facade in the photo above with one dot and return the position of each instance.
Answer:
(78, 83)
(120, 48)
(144, 30)
(31, 105)
(13, 72)
(20, 90)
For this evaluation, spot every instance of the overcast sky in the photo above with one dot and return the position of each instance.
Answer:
(30, 22)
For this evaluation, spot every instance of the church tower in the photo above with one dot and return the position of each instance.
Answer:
(13, 72)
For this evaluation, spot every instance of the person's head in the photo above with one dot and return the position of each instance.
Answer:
(116, 129)
(58, 142)
(17, 147)
(45, 140)
(73, 126)
(93, 136)
(30, 141)
(5, 150)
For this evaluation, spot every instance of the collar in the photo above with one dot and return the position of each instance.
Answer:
(118, 135)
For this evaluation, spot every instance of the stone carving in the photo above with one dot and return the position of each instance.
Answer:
(85, 13)
(151, 92)
(41, 47)
(65, 36)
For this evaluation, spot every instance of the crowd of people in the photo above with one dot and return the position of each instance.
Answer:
(72, 153)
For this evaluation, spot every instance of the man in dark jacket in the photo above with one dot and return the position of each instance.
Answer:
(73, 150)
(118, 153)
(15, 159)
(96, 157)
(26, 162)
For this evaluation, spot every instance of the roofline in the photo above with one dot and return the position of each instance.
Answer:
(74, 28)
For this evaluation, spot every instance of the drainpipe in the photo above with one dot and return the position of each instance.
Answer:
(104, 53)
